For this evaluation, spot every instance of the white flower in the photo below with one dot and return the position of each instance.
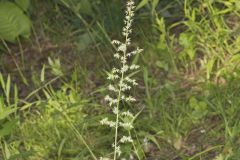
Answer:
(124, 69)
(123, 60)
(125, 139)
(133, 66)
(126, 125)
(130, 4)
(112, 88)
(115, 70)
(115, 110)
(124, 86)
(118, 150)
(110, 100)
(130, 99)
(116, 42)
(117, 55)
(107, 98)
(132, 81)
(139, 50)
(105, 121)
(128, 114)
(112, 76)
(128, 41)
(122, 47)
(129, 54)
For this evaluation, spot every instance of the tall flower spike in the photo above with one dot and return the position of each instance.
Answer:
(122, 83)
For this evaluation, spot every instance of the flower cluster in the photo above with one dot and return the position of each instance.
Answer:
(121, 83)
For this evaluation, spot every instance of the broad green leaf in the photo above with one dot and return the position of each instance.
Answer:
(142, 4)
(13, 22)
(23, 4)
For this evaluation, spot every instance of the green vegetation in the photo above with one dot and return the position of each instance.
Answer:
(55, 57)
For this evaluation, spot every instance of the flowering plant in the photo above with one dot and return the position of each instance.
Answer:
(121, 84)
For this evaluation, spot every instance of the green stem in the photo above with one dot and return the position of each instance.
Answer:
(117, 116)
(21, 52)
(118, 103)
(117, 121)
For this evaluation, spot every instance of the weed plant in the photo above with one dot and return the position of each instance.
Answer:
(121, 85)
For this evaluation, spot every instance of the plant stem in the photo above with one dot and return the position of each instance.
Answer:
(119, 98)
(117, 116)
(117, 121)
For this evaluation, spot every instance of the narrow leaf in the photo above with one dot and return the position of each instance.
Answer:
(43, 74)
(8, 85)
(142, 4)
